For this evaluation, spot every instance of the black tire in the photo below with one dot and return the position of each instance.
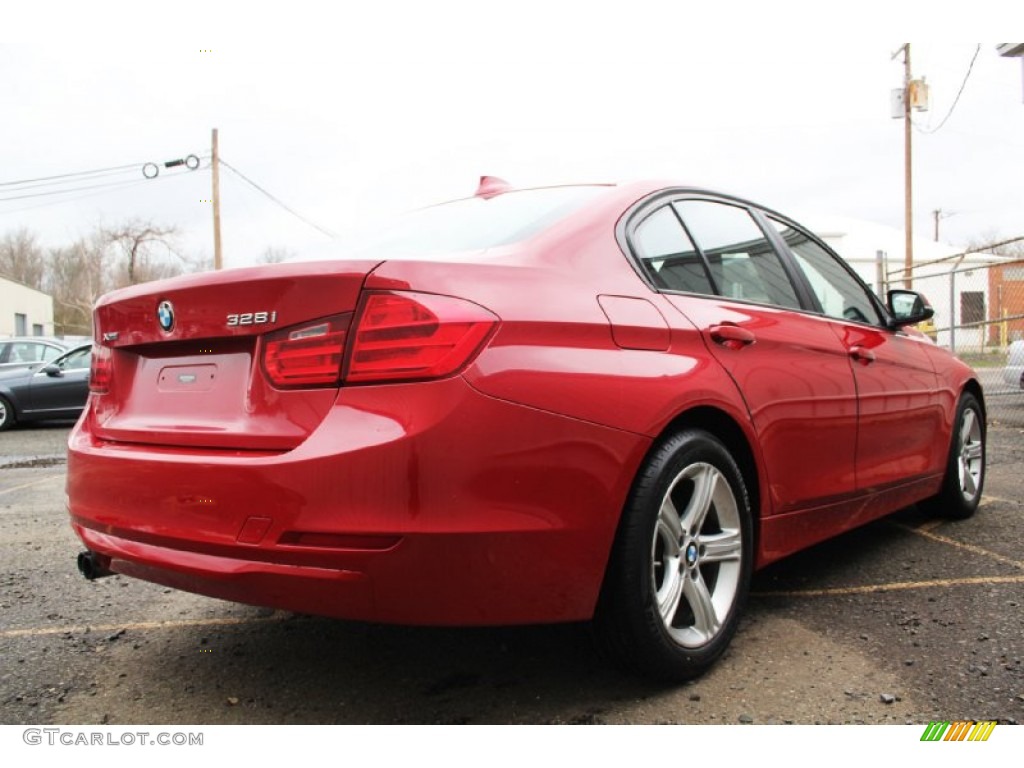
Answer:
(6, 415)
(670, 610)
(964, 480)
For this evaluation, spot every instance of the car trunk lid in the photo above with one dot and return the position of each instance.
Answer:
(185, 355)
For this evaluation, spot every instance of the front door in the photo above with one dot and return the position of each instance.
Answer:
(900, 421)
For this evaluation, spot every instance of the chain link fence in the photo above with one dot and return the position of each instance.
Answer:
(979, 315)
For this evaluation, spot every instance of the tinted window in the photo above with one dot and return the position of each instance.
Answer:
(472, 224)
(668, 255)
(840, 294)
(743, 263)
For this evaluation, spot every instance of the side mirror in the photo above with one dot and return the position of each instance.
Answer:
(53, 370)
(908, 308)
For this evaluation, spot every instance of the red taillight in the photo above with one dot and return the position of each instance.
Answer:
(404, 336)
(308, 355)
(100, 370)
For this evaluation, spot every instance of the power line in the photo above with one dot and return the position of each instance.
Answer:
(105, 190)
(70, 175)
(293, 212)
(970, 68)
(71, 199)
(42, 184)
(29, 192)
(28, 187)
(79, 176)
(69, 190)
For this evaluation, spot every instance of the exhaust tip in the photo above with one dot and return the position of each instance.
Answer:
(93, 566)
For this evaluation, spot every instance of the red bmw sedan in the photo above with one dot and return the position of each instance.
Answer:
(607, 403)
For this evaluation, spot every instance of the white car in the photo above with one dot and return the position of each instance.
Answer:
(1013, 373)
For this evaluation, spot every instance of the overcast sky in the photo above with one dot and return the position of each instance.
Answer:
(348, 117)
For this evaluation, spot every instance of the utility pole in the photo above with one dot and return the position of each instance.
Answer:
(914, 94)
(939, 215)
(908, 206)
(218, 262)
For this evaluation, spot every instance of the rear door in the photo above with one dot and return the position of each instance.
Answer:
(791, 369)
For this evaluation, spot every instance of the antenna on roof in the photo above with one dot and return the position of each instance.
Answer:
(491, 186)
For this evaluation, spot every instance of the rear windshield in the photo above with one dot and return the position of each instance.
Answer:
(472, 224)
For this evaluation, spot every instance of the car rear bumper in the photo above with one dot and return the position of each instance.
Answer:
(419, 504)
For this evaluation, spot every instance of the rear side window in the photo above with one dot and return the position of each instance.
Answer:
(667, 254)
(26, 352)
(743, 263)
(81, 358)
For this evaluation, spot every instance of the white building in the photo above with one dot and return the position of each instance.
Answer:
(24, 311)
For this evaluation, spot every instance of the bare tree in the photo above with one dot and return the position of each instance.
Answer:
(76, 276)
(110, 257)
(145, 249)
(275, 255)
(22, 259)
(991, 241)
(197, 262)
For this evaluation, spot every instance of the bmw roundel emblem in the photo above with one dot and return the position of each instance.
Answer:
(165, 315)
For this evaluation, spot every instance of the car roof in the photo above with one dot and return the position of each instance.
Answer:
(37, 339)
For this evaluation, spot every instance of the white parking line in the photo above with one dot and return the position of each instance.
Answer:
(29, 485)
(926, 533)
(893, 586)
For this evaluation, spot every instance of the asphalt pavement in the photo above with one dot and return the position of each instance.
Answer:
(904, 621)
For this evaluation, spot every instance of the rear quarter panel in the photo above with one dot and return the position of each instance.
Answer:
(555, 349)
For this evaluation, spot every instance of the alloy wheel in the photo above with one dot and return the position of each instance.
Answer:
(971, 460)
(696, 555)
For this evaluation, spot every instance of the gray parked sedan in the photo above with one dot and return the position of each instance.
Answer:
(55, 390)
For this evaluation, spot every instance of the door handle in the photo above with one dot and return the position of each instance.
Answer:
(862, 355)
(731, 336)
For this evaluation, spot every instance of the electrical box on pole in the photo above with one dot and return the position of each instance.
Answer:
(919, 94)
(896, 103)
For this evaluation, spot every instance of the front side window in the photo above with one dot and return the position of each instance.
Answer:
(667, 254)
(743, 263)
(840, 294)
(73, 361)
